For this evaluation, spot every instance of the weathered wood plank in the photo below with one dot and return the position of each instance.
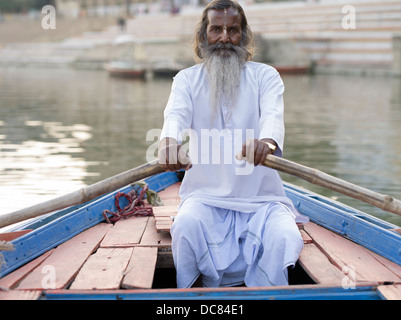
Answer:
(165, 211)
(390, 292)
(103, 270)
(153, 238)
(397, 230)
(57, 271)
(150, 238)
(164, 226)
(305, 237)
(348, 255)
(125, 232)
(9, 236)
(393, 267)
(164, 219)
(20, 295)
(163, 216)
(170, 196)
(10, 280)
(318, 267)
(141, 269)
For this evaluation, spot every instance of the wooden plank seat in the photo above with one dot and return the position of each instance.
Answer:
(59, 269)
(103, 270)
(164, 217)
(143, 263)
(332, 259)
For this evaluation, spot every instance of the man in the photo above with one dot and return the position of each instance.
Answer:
(234, 224)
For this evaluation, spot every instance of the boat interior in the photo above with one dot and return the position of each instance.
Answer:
(75, 254)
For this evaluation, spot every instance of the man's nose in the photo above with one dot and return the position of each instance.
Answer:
(224, 38)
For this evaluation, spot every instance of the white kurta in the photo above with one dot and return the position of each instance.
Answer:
(216, 178)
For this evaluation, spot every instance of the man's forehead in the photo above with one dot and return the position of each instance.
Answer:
(223, 16)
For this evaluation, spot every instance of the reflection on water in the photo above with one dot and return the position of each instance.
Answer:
(30, 168)
(61, 129)
(348, 127)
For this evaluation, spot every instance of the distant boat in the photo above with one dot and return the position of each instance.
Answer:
(292, 69)
(125, 69)
(127, 57)
(167, 68)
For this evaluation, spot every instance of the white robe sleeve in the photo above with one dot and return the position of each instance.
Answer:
(178, 112)
(271, 122)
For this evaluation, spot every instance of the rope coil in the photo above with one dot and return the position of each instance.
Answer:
(135, 207)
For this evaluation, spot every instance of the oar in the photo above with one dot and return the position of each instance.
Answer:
(311, 175)
(83, 195)
(322, 179)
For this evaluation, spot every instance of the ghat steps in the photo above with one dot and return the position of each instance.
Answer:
(314, 29)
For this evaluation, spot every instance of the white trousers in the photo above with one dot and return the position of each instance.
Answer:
(230, 248)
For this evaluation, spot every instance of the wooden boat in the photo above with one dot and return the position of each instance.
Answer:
(166, 68)
(127, 57)
(125, 69)
(74, 254)
(292, 69)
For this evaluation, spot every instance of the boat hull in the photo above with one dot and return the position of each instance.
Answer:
(345, 232)
(124, 71)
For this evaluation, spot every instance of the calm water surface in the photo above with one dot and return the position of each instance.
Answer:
(62, 129)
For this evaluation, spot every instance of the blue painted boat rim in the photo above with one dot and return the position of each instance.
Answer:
(298, 292)
(359, 227)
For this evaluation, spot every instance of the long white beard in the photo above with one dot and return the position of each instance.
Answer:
(224, 74)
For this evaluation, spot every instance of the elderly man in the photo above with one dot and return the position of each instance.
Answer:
(234, 224)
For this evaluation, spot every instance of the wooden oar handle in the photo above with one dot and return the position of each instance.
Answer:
(83, 195)
(322, 179)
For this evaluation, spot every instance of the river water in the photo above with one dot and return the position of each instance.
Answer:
(62, 129)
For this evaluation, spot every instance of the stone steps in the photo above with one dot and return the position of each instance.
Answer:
(318, 32)
(314, 29)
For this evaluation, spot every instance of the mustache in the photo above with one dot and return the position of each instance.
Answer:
(224, 50)
(222, 46)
